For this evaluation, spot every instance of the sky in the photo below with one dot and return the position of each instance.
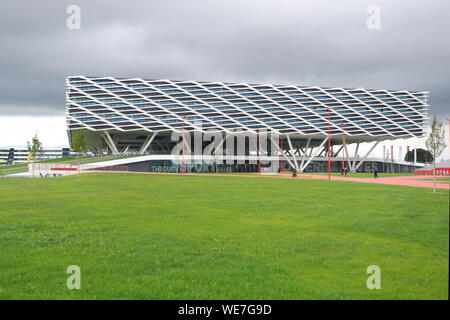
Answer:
(320, 43)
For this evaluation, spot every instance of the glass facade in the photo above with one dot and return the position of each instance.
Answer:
(162, 105)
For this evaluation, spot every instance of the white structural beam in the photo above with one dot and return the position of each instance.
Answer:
(324, 149)
(147, 143)
(352, 166)
(293, 153)
(335, 154)
(295, 124)
(304, 154)
(366, 155)
(107, 143)
(312, 156)
(116, 143)
(163, 148)
(348, 157)
(110, 143)
(282, 153)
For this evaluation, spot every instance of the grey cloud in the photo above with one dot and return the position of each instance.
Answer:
(293, 42)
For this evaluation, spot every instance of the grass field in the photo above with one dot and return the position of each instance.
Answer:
(23, 167)
(440, 179)
(198, 237)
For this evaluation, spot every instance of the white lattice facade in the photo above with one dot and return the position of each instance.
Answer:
(125, 115)
(158, 105)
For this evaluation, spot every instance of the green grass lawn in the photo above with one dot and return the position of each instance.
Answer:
(199, 237)
(23, 167)
(14, 168)
(440, 179)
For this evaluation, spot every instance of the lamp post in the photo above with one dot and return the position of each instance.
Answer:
(329, 142)
(182, 146)
(343, 147)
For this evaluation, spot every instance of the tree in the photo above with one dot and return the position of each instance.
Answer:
(79, 145)
(79, 142)
(422, 155)
(34, 147)
(436, 144)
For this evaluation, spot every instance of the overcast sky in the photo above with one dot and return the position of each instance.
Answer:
(324, 43)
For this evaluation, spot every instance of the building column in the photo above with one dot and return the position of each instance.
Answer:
(349, 163)
(293, 153)
(313, 156)
(281, 151)
(110, 143)
(366, 155)
(305, 154)
(147, 143)
(352, 165)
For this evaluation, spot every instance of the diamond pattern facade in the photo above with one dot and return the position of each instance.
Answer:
(134, 104)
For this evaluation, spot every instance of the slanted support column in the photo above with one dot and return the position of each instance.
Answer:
(335, 154)
(367, 154)
(187, 144)
(116, 143)
(325, 149)
(293, 153)
(147, 143)
(352, 168)
(110, 143)
(281, 151)
(163, 148)
(305, 155)
(313, 156)
(348, 158)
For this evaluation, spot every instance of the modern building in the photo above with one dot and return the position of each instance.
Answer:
(19, 154)
(133, 115)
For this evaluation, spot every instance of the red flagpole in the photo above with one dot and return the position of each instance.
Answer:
(281, 158)
(343, 146)
(329, 142)
(182, 147)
